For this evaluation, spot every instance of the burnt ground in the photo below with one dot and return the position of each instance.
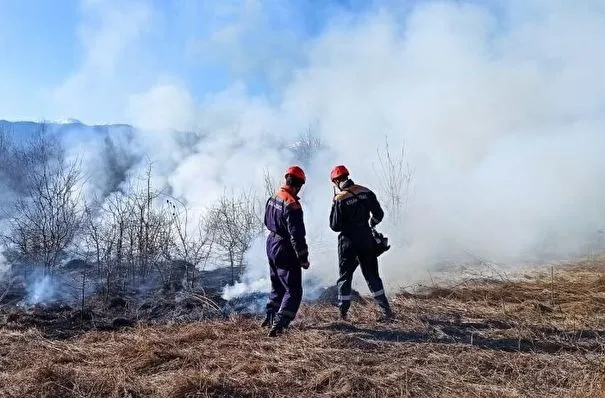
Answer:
(538, 335)
(65, 317)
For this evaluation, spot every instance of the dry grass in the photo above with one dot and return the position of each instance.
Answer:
(535, 337)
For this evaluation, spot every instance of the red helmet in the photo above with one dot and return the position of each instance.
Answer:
(338, 172)
(297, 172)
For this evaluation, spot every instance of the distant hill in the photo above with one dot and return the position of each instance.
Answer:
(24, 129)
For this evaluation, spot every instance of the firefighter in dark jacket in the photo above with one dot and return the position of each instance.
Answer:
(287, 251)
(355, 211)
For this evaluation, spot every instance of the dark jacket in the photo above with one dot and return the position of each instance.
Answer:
(354, 210)
(284, 218)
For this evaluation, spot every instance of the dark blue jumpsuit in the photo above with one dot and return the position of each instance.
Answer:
(287, 251)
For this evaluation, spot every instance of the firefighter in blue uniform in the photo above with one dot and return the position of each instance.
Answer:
(287, 251)
(355, 211)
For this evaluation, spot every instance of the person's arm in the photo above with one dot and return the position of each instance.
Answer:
(266, 217)
(296, 228)
(375, 209)
(335, 217)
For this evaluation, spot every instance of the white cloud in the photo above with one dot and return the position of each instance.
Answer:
(163, 107)
(251, 37)
(110, 34)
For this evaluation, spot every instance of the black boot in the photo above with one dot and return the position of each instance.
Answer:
(343, 309)
(280, 323)
(268, 319)
(387, 314)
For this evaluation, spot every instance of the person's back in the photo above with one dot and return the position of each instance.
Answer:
(284, 220)
(355, 211)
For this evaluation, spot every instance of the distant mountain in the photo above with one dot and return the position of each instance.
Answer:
(24, 129)
(113, 154)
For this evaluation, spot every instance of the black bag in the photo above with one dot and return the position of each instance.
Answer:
(381, 242)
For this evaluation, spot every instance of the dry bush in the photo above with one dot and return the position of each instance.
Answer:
(395, 176)
(270, 185)
(137, 236)
(45, 220)
(129, 235)
(234, 221)
(307, 145)
(104, 239)
(193, 247)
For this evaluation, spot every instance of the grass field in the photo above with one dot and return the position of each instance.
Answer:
(537, 335)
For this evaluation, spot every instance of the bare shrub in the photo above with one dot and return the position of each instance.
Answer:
(235, 222)
(129, 234)
(104, 231)
(148, 229)
(306, 146)
(141, 229)
(45, 221)
(394, 176)
(270, 184)
(193, 246)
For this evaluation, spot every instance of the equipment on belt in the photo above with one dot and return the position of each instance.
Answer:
(381, 242)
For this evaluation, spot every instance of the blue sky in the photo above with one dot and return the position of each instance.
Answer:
(60, 55)
(88, 59)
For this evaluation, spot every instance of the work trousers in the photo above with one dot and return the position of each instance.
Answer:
(286, 290)
(286, 279)
(354, 250)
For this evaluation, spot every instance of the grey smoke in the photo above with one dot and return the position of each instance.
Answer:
(500, 110)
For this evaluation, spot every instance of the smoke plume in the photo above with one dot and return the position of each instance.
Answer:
(499, 111)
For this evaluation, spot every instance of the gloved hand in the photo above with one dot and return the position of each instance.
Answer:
(305, 265)
(373, 222)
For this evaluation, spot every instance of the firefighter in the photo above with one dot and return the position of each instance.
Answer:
(352, 207)
(287, 251)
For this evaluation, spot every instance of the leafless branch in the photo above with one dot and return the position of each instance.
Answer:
(235, 222)
(307, 145)
(395, 176)
(47, 218)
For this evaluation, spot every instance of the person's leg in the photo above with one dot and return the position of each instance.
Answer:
(277, 288)
(369, 269)
(291, 277)
(347, 263)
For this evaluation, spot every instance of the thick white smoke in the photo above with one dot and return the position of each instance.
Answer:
(501, 113)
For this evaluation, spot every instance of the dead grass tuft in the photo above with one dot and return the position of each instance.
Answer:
(199, 385)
